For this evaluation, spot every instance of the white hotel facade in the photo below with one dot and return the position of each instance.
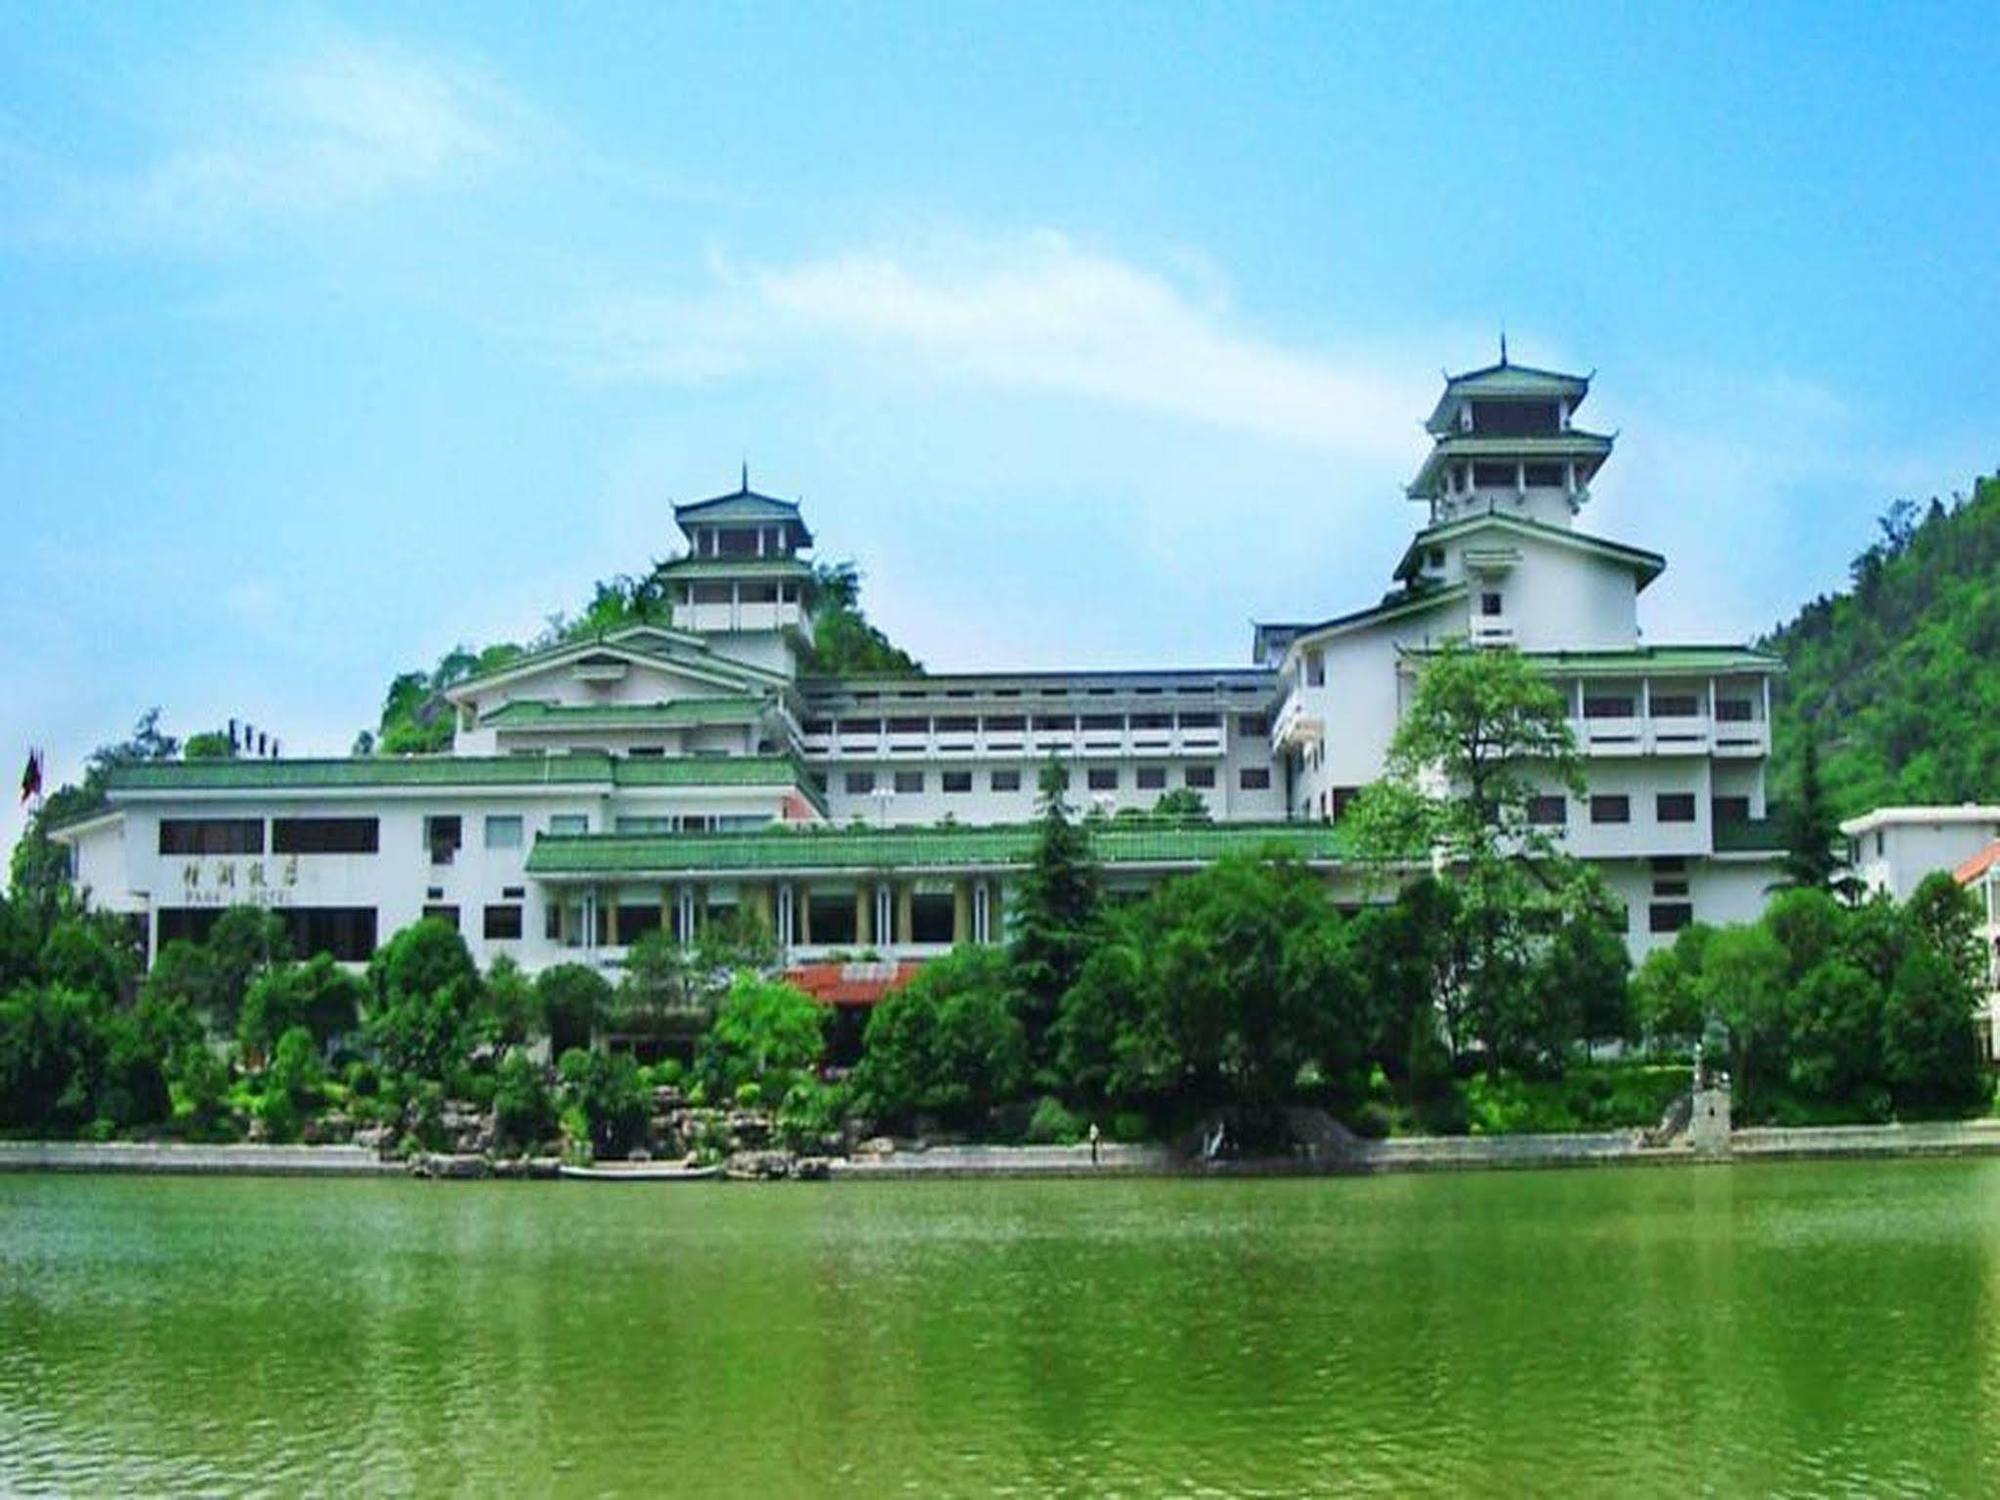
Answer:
(664, 776)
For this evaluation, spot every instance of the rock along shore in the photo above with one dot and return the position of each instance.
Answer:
(1404, 1154)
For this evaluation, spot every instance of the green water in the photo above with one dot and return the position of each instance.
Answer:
(1803, 1330)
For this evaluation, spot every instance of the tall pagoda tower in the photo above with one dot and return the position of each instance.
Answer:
(1504, 443)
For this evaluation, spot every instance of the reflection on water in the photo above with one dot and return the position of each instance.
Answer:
(1803, 1330)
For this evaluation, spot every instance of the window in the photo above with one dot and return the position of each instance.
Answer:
(1315, 669)
(1676, 706)
(1201, 721)
(933, 917)
(569, 823)
(1730, 809)
(1493, 476)
(325, 835)
(1006, 781)
(1201, 778)
(1733, 710)
(818, 726)
(443, 834)
(1253, 726)
(957, 782)
(1102, 722)
(1489, 604)
(634, 920)
(503, 831)
(1006, 724)
(1608, 707)
(860, 726)
(552, 922)
(909, 781)
(1152, 778)
(1548, 811)
(1607, 808)
(711, 593)
(1435, 557)
(211, 835)
(1669, 916)
(1676, 807)
(446, 914)
(344, 933)
(859, 783)
(956, 724)
(1545, 476)
(1254, 778)
(503, 923)
(1103, 778)
(1152, 721)
(1343, 798)
(649, 752)
(909, 726)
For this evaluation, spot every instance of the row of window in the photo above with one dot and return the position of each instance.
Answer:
(748, 591)
(1666, 706)
(1616, 807)
(1252, 726)
(345, 932)
(288, 835)
(1063, 690)
(1096, 779)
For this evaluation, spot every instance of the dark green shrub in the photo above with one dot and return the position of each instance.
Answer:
(1053, 1124)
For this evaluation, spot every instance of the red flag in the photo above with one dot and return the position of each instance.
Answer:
(31, 776)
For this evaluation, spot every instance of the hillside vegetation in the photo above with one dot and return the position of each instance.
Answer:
(1898, 676)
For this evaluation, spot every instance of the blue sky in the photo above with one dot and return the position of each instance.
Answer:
(330, 337)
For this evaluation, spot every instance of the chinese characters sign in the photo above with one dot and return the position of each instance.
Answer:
(239, 882)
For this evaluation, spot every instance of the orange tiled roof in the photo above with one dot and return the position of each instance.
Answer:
(851, 983)
(1978, 865)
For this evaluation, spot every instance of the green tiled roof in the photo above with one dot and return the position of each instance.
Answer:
(1649, 565)
(528, 713)
(1655, 659)
(457, 771)
(736, 567)
(1643, 661)
(1574, 442)
(671, 649)
(913, 848)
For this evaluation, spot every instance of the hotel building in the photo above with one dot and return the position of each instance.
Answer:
(661, 776)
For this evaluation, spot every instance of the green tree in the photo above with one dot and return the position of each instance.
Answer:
(524, 1113)
(1810, 828)
(245, 943)
(765, 1032)
(1668, 1000)
(1929, 1048)
(79, 954)
(1743, 987)
(52, 1058)
(843, 642)
(1056, 914)
(318, 996)
(575, 999)
(604, 1088)
(1485, 734)
(512, 1011)
(211, 744)
(1183, 802)
(425, 992)
(949, 1043)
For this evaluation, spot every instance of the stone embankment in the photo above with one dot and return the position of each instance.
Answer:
(173, 1159)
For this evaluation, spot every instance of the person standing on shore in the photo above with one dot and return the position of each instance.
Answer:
(1095, 1136)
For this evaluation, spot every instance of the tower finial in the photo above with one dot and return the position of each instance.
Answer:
(746, 476)
(1503, 343)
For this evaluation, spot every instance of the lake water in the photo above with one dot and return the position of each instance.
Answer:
(1799, 1329)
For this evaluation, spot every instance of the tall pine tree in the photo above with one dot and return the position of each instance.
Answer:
(1811, 832)
(1056, 915)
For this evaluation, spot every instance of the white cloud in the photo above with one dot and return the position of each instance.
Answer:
(344, 123)
(1037, 313)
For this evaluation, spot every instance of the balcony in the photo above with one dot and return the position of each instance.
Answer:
(1295, 726)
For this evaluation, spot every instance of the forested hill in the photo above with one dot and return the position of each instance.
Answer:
(1898, 676)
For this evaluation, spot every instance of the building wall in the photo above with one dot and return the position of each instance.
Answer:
(1897, 857)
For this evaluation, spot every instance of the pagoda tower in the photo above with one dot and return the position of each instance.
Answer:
(1504, 443)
